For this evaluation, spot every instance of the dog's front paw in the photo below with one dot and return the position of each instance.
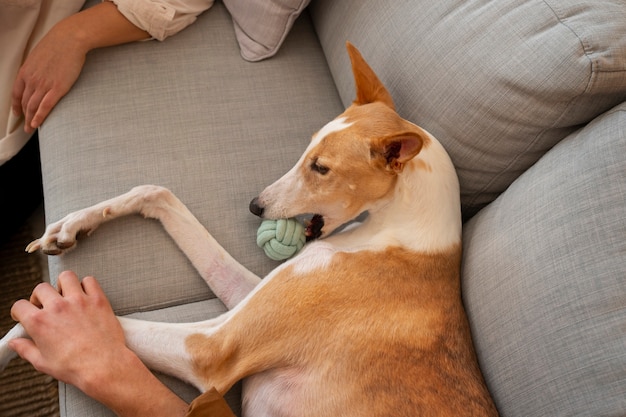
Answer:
(49, 248)
(54, 241)
(62, 236)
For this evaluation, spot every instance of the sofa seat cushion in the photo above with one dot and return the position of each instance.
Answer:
(544, 280)
(497, 82)
(191, 115)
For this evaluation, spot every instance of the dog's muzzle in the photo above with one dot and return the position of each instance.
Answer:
(313, 224)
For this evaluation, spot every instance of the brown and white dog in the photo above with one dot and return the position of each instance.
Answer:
(364, 322)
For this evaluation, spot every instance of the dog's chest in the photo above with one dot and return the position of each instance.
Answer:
(315, 256)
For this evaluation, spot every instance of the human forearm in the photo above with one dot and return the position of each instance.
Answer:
(99, 26)
(131, 390)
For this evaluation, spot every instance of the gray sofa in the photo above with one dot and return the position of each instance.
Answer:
(527, 96)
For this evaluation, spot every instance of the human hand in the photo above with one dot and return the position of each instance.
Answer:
(75, 335)
(77, 339)
(48, 73)
(53, 66)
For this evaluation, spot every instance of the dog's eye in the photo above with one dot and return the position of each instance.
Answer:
(317, 167)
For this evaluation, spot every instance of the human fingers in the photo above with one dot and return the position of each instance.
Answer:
(27, 350)
(45, 359)
(22, 309)
(46, 104)
(31, 103)
(91, 286)
(30, 97)
(42, 293)
(69, 284)
(97, 296)
(52, 66)
(16, 95)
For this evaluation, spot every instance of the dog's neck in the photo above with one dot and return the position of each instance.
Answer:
(423, 213)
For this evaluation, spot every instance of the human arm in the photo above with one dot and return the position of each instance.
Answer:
(53, 66)
(77, 339)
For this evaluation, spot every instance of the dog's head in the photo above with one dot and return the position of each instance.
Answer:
(351, 164)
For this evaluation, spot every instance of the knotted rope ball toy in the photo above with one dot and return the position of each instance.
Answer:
(281, 239)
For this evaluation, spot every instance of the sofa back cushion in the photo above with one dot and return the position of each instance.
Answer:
(544, 280)
(497, 82)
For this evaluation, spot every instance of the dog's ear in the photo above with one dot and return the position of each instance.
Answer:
(397, 149)
(369, 89)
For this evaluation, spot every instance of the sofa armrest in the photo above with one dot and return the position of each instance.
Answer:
(544, 280)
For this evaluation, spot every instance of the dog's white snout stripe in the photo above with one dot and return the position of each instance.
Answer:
(330, 127)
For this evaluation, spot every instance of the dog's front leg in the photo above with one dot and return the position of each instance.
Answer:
(228, 279)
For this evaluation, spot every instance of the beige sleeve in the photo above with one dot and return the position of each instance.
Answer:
(211, 403)
(162, 18)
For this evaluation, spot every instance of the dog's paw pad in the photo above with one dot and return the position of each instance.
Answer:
(62, 245)
(52, 251)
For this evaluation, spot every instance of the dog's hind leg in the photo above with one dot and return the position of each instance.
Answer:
(226, 277)
(6, 354)
(197, 353)
(162, 346)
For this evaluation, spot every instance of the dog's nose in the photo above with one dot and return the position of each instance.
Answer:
(255, 208)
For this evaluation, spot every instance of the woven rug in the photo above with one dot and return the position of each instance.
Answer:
(23, 390)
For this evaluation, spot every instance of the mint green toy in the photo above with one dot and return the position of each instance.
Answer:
(280, 239)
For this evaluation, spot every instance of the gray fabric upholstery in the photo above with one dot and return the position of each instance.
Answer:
(497, 82)
(545, 284)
